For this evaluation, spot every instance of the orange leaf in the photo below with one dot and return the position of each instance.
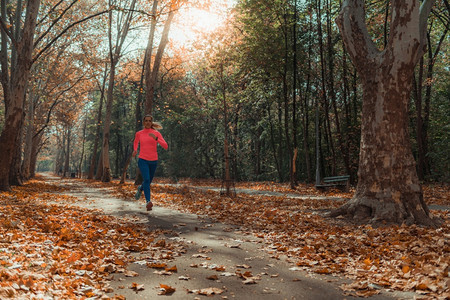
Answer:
(172, 269)
(74, 257)
(323, 271)
(367, 261)
(166, 290)
(157, 265)
(119, 262)
(220, 268)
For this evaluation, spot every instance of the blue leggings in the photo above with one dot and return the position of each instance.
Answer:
(148, 168)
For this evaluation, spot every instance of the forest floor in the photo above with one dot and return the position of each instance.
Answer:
(73, 238)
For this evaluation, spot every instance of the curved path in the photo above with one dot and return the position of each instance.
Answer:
(210, 246)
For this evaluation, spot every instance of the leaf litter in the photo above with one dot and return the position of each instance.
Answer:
(57, 251)
(50, 251)
(400, 258)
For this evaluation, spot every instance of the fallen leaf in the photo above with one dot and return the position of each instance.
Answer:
(137, 287)
(172, 269)
(131, 274)
(166, 290)
(207, 291)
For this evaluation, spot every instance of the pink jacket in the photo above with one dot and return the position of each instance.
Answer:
(148, 144)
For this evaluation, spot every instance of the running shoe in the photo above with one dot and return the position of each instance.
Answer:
(149, 205)
(138, 194)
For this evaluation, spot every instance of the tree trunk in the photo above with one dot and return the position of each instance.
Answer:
(274, 148)
(343, 147)
(15, 174)
(388, 188)
(28, 143)
(14, 91)
(115, 52)
(36, 148)
(106, 169)
(294, 100)
(98, 132)
(150, 82)
(80, 165)
(327, 125)
(148, 61)
(67, 153)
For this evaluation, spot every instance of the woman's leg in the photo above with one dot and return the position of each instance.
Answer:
(152, 169)
(145, 171)
(148, 169)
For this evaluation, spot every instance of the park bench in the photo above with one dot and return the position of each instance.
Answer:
(338, 181)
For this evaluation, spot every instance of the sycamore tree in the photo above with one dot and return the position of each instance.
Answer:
(388, 187)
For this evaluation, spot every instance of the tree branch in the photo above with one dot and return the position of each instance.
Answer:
(63, 32)
(8, 33)
(351, 23)
(54, 22)
(425, 10)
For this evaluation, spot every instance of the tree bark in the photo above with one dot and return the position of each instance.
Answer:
(14, 91)
(28, 143)
(388, 188)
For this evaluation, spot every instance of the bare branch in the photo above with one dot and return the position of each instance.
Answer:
(8, 33)
(54, 23)
(64, 31)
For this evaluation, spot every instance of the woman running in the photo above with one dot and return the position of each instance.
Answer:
(148, 139)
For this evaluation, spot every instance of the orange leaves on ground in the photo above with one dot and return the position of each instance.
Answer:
(65, 252)
(399, 258)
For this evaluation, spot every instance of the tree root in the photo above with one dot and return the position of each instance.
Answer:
(376, 212)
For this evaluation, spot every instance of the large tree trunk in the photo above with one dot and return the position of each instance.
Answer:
(14, 91)
(388, 187)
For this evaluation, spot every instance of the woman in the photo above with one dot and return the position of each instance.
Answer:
(148, 139)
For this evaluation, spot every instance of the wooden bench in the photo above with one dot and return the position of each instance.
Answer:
(339, 181)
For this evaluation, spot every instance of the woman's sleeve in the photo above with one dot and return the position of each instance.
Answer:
(162, 142)
(136, 141)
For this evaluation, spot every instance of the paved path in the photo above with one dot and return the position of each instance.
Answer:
(209, 245)
(258, 192)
